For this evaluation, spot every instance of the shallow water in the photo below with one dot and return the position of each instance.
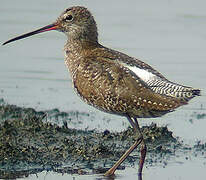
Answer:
(169, 35)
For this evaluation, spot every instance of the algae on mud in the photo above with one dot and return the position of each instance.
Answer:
(29, 144)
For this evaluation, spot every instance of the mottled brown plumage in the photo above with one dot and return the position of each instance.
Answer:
(107, 85)
(112, 81)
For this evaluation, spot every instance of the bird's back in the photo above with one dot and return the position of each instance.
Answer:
(155, 80)
(117, 83)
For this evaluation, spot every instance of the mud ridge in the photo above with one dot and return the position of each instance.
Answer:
(29, 144)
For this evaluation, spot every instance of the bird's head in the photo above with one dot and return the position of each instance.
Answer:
(76, 22)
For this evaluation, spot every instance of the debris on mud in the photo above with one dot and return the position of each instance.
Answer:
(29, 144)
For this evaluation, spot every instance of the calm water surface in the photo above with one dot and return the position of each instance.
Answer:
(169, 35)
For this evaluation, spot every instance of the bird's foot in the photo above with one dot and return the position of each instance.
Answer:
(110, 172)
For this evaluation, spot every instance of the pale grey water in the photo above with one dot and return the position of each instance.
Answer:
(170, 35)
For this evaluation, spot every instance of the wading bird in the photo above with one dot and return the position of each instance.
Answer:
(112, 81)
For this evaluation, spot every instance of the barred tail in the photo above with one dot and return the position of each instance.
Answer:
(171, 89)
(196, 92)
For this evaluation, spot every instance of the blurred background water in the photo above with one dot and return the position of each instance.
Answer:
(170, 35)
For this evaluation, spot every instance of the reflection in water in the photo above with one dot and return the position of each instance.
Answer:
(114, 177)
(140, 176)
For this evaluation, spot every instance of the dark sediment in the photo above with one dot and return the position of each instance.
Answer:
(29, 144)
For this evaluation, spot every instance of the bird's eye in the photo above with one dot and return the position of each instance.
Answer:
(69, 18)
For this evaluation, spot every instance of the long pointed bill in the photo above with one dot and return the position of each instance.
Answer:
(43, 29)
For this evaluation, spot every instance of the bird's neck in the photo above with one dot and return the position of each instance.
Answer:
(79, 46)
(76, 51)
(84, 33)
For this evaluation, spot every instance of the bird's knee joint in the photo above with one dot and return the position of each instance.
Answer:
(143, 146)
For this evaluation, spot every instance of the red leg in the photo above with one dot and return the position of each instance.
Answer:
(143, 148)
(111, 171)
(143, 151)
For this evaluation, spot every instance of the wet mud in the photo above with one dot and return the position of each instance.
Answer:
(30, 144)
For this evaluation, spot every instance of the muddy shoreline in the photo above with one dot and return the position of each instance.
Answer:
(29, 144)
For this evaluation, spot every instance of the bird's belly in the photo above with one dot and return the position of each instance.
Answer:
(107, 99)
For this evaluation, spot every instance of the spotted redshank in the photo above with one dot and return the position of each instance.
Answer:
(112, 81)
